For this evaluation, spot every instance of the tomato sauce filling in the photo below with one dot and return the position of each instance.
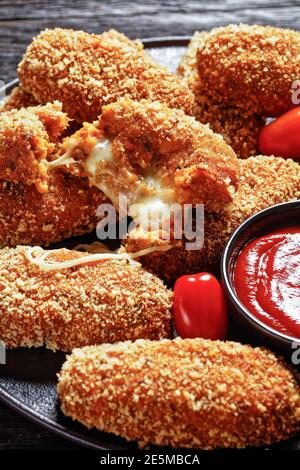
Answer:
(267, 279)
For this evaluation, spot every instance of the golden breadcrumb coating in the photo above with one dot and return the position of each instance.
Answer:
(19, 98)
(192, 393)
(54, 120)
(27, 139)
(152, 140)
(28, 217)
(239, 128)
(264, 181)
(187, 67)
(86, 71)
(251, 67)
(93, 303)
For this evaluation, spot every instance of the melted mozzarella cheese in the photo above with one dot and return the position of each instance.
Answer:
(38, 257)
(64, 159)
(148, 193)
(102, 152)
(148, 198)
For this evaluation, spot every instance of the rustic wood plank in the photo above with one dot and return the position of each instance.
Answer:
(20, 20)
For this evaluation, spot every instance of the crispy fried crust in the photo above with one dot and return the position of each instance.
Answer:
(239, 128)
(19, 98)
(53, 119)
(182, 393)
(251, 67)
(107, 301)
(183, 153)
(86, 71)
(27, 139)
(264, 181)
(28, 217)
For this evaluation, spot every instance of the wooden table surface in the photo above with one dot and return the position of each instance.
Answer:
(20, 20)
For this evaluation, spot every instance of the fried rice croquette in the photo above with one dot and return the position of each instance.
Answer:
(28, 217)
(87, 71)
(250, 66)
(27, 138)
(91, 303)
(143, 149)
(239, 128)
(264, 181)
(192, 393)
(19, 98)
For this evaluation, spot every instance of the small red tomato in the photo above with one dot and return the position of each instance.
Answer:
(282, 136)
(199, 307)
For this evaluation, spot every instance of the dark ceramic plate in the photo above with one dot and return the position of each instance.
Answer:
(28, 380)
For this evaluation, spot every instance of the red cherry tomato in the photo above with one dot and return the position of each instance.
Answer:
(282, 136)
(199, 307)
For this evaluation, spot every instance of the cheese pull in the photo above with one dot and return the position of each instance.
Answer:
(157, 157)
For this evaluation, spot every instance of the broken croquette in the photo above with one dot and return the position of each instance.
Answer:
(28, 137)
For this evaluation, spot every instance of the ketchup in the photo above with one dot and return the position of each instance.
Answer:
(267, 279)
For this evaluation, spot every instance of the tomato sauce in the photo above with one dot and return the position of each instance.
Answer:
(267, 279)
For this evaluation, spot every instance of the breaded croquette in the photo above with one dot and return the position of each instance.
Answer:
(68, 307)
(27, 139)
(239, 128)
(264, 181)
(187, 68)
(250, 66)
(147, 150)
(192, 393)
(86, 71)
(28, 217)
(19, 98)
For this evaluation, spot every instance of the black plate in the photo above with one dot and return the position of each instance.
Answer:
(28, 380)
